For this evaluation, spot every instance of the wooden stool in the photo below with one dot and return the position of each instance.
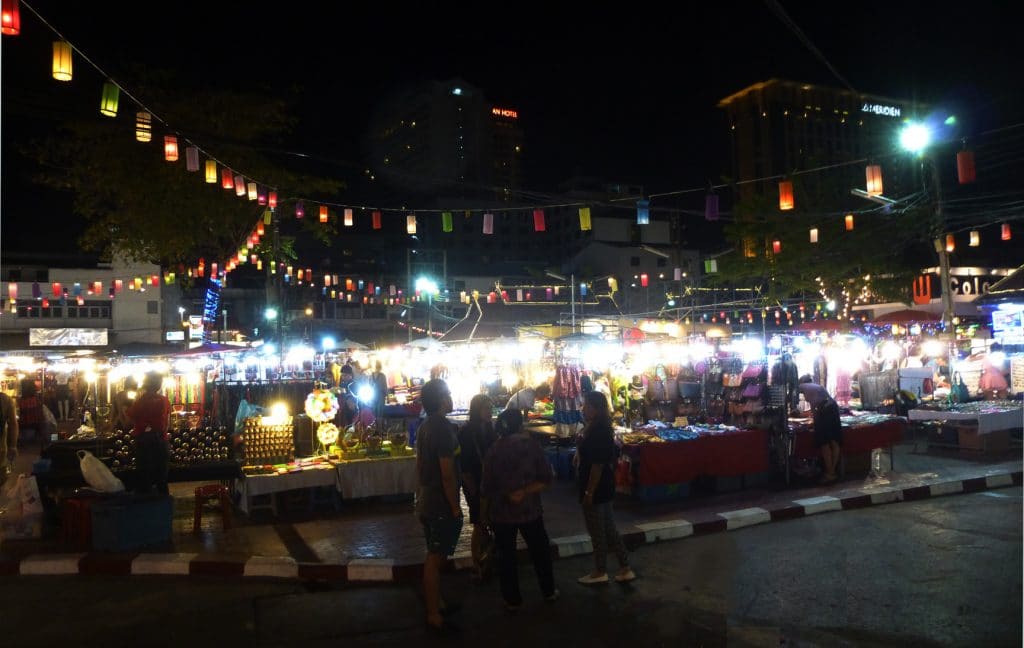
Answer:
(210, 492)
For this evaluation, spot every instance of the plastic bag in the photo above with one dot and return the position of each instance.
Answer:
(97, 474)
(24, 497)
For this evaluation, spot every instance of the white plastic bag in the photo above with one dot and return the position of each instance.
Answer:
(28, 491)
(97, 474)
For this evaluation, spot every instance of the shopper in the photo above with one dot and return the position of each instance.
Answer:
(597, 456)
(515, 473)
(437, 497)
(8, 435)
(828, 429)
(475, 439)
(150, 417)
(121, 402)
(524, 399)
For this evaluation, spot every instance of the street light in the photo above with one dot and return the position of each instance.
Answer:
(572, 293)
(429, 286)
(915, 138)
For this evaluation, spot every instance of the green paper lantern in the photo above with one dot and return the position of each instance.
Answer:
(446, 221)
(108, 102)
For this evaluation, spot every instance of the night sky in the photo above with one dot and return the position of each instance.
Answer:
(625, 94)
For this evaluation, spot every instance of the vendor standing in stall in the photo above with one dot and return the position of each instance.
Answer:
(150, 417)
(828, 429)
(524, 399)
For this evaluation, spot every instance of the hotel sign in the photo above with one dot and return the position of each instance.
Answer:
(505, 112)
(881, 109)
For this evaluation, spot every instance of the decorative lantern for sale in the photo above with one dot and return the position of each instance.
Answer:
(226, 181)
(585, 223)
(488, 224)
(62, 60)
(446, 222)
(377, 224)
(10, 18)
(975, 238)
(643, 212)
(192, 158)
(849, 222)
(786, 195)
(950, 243)
(321, 405)
(538, 220)
(873, 173)
(323, 213)
(1005, 233)
(410, 224)
(251, 190)
(239, 186)
(211, 172)
(349, 218)
(776, 246)
(143, 126)
(965, 167)
(814, 235)
(711, 207)
(109, 99)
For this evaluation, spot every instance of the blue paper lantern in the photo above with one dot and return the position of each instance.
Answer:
(643, 212)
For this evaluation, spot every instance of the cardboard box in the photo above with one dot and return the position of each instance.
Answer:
(971, 441)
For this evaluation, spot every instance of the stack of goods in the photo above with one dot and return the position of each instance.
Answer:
(198, 445)
(267, 444)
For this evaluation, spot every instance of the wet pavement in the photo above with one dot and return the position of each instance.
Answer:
(386, 529)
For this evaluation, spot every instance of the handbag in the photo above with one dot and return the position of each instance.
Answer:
(753, 390)
(958, 392)
(752, 371)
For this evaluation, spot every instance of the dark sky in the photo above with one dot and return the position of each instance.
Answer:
(626, 93)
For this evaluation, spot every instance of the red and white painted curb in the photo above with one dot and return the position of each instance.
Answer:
(386, 570)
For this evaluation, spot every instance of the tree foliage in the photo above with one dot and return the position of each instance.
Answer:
(145, 208)
(881, 255)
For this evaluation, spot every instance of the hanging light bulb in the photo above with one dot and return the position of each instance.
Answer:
(62, 60)
(143, 126)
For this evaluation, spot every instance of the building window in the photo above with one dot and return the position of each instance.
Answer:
(662, 262)
(105, 312)
(58, 311)
(152, 307)
(72, 312)
(94, 312)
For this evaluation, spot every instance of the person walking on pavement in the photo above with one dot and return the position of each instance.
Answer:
(597, 454)
(437, 497)
(475, 439)
(515, 473)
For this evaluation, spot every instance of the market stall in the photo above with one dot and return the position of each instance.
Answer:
(862, 433)
(980, 425)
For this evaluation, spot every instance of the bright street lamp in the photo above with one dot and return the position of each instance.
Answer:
(270, 313)
(915, 137)
(428, 286)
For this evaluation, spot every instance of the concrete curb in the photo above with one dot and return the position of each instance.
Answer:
(378, 570)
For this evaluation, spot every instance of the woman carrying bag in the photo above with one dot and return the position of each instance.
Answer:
(475, 439)
(597, 454)
(515, 473)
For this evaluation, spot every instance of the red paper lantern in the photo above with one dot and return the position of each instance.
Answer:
(1006, 234)
(272, 201)
(56, 289)
(644, 280)
(10, 24)
(965, 166)
(226, 182)
(376, 220)
(170, 148)
(538, 220)
(776, 246)
(786, 195)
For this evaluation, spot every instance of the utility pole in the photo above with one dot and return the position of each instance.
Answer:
(940, 247)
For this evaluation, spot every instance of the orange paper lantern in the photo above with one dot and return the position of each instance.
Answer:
(965, 167)
(849, 222)
(323, 213)
(170, 148)
(873, 172)
(786, 195)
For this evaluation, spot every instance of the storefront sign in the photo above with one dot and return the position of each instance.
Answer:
(67, 337)
(505, 112)
(174, 336)
(1017, 374)
(881, 109)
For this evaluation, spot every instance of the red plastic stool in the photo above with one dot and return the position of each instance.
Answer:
(210, 492)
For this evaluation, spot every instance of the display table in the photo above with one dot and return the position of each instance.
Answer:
(990, 416)
(252, 486)
(721, 454)
(376, 477)
(861, 434)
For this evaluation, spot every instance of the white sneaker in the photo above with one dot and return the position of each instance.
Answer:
(625, 576)
(590, 579)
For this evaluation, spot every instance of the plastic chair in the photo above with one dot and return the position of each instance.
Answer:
(207, 493)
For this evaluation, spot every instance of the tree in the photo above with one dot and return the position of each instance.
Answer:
(145, 208)
(880, 256)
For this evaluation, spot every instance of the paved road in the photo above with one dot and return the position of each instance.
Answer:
(944, 571)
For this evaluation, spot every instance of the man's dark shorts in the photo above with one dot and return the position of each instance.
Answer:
(442, 534)
(827, 425)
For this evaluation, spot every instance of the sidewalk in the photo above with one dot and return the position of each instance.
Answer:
(382, 541)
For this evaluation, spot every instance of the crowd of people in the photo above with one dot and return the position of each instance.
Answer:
(502, 471)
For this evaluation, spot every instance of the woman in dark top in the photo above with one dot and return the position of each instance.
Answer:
(475, 439)
(597, 454)
(515, 473)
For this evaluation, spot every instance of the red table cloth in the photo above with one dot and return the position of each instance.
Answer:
(726, 454)
(857, 439)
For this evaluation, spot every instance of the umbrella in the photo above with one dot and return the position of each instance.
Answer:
(906, 316)
(820, 325)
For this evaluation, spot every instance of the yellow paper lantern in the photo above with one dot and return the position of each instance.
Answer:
(585, 223)
(62, 60)
(873, 174)
(143, 126)
(211, 172)
(253, 192)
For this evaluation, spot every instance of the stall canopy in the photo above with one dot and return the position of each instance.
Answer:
(348, 344)
(906, 316)
(821, 325)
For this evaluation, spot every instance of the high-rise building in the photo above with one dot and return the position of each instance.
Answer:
(778, 127)
(445, 137)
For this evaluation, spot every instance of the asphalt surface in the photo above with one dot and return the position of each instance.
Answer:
(945, 571)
